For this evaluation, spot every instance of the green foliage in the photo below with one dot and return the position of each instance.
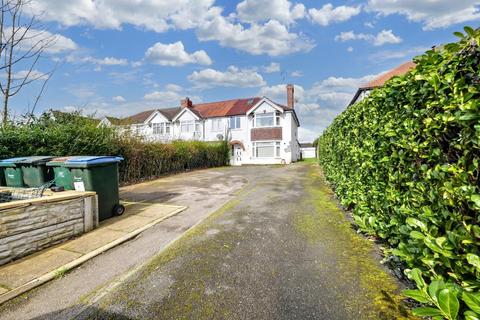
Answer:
(406, 160)
(71, 134)
(443, 299)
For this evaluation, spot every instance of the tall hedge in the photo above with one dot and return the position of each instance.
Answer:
(406, 160)
(72, 134)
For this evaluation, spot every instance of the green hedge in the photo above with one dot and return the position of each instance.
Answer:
(72, 134)
(406, 160)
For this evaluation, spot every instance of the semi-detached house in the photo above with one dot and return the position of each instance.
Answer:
(259, 130)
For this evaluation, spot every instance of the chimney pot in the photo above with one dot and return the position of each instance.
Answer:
(186, 103)
(290, 96)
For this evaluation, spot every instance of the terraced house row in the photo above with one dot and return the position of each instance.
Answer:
(259, 130)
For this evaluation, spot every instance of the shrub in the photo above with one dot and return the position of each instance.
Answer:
(406, 160)
(72, 134)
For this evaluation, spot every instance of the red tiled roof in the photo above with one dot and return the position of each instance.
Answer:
(225, 108)
(398, 71)
(202, 110)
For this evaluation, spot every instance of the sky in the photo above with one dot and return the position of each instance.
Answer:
(120, 57)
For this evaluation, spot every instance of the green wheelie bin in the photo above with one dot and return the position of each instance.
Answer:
(12, 172)
(99, 174)
(61, 174)
(2, 178)
(35, 171)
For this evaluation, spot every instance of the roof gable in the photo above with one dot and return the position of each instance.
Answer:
(267, 101)
(183, 111)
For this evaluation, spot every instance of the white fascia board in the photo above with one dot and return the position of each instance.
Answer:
(182, 112)
(269, 102)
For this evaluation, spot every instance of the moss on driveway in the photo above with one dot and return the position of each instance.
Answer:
(282, 249)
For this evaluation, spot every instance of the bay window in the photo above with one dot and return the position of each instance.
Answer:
(161, 128)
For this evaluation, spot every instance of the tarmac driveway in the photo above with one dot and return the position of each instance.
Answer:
(280, 250)
(202, 191)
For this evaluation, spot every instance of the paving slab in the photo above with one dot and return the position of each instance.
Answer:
(22, 275)
(92, 240)
(22, 271)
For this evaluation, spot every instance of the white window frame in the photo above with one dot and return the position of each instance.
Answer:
(158, 128)
(276, 145)
(188, 124)
(168, 128)
(275, 121)
(235, 123)
(217, 124)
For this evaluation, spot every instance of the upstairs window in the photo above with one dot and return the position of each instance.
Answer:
(234, 123)
(269, 119)
(217, 125)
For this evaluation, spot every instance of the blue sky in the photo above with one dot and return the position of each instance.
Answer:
(119, 57)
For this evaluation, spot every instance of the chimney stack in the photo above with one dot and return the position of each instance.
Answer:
(186, 103)
(290, 96)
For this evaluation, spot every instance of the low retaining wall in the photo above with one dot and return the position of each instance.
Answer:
(28, 226)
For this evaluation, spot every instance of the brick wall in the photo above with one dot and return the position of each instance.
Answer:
(259, 134)
(30, 227)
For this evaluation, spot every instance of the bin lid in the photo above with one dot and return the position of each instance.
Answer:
(13, 160)
(58, 161)
(35, 160)
(93, 160)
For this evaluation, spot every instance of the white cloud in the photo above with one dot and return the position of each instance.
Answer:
(163, 96)
(278, 93)
(32, 75)
(381, 38)
(174, 54)
(256, 37)
(328, 14)
(271, 68)
(156, 15)
(118, 99)
(264, 10)
(271, 38)
(232, 77)
(350, 49)
(398, 54)
(51, 43)
(107, 61)
(173, 87)
(432, 14)
(296, 74)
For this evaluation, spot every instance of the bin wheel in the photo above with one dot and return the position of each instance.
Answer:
(118, 210)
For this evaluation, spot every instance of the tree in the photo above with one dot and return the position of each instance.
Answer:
(22, 43)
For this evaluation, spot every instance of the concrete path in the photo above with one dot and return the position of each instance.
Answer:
(281, 249)
(201, 191)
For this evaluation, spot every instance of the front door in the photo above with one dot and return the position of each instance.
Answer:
(237, 155)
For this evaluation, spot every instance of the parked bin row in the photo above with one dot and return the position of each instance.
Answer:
(85, 173)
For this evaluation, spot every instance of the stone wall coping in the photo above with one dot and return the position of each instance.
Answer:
(47, 198)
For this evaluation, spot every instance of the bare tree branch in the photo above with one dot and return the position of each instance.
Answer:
(22, 43)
